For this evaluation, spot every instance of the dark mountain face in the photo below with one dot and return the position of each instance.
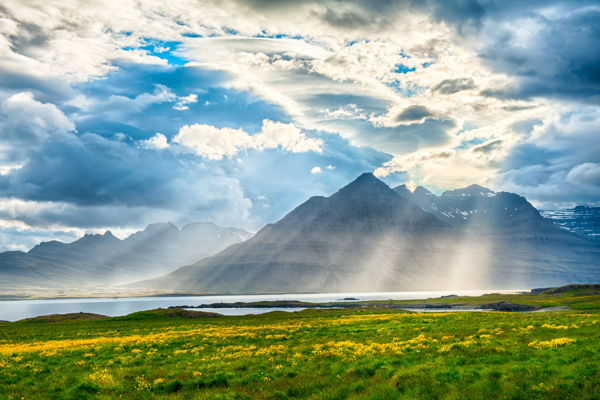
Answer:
(582, 220)
(367, 237)
(101, 260)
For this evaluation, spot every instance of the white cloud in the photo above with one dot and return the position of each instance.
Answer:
(441, 169)
(350, 111)
(181, 104)
(287, 136)
(28, 120)
(156, 142)
(214, 143)
(316, 170)
(330, 167)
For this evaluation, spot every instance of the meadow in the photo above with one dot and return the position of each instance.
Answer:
(364, 353)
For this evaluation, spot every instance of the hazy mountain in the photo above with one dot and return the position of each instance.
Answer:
(583, 220)
(97, 260)
(367, 237)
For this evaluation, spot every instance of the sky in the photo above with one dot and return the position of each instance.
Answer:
(121, 113)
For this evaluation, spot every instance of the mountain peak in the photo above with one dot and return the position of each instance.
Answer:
(403, 191)
(420, 190)
(366, 185)
(473, 190)
(162, 226)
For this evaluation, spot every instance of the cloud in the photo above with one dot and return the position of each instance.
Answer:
(214, 143)
(25, 125)
(316, 170)
(29, 121)
(156, 142)
(440, 170)
(181, 104)
(69, 180)
(414, 114)
(330, 167)
(287, 136)
(585, 174)
(488, 147)
(451, 86)
(550, 48)
(140, 102)
(556, 166)
(350, 111)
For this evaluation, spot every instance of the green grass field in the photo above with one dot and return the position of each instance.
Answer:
(367, 353)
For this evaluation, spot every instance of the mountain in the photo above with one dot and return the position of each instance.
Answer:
(368, 237)
(582, 220)
(479, 210)
(99, 260)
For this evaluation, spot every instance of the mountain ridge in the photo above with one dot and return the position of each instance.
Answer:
(104, 259)
(480, 209)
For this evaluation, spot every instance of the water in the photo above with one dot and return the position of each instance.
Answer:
(20, 309)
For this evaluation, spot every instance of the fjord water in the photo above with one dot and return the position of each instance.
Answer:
(20, 309)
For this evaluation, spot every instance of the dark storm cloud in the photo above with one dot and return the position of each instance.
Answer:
(457, 12)
(346, 19)
(414, 113)
(375, 15)
(31, 38)
(350, 20)
(407, 138)
(451, 86)
(92, 171)
(562, 169)
(560, 59)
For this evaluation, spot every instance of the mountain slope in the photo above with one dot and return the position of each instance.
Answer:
(366, 237)
(99, 260)
(583, 220)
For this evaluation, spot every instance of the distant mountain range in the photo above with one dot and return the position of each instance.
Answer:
(480, 211)
(368, 237)
(101, 260)
(583, 220)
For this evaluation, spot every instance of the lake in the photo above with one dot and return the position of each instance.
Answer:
(19, 309)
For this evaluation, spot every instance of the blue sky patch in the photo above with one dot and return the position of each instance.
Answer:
(403, 69)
